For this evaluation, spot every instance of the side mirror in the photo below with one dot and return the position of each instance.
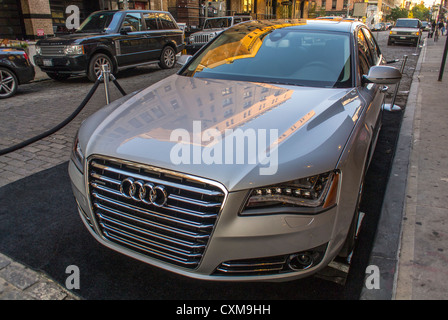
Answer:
(125, 30)
(383, 75)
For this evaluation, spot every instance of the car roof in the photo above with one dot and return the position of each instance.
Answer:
(337, 25)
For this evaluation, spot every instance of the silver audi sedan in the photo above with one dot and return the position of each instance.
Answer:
(246, 165)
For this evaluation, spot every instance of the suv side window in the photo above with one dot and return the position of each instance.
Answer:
(374, 49)
(133, 20)
(166, 21)
(151, 21)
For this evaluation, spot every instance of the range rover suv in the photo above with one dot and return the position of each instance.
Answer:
(120, 39)
(406, 31)
(212, 27)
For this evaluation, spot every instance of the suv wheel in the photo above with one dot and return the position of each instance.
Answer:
(8, 83)
(95, 66)
(167, 58)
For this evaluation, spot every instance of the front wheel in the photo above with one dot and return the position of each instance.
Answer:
(167, 58)
(95, 66)
(8, 83)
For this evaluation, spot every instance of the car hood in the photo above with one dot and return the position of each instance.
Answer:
(402, 29)
(68, 39)
(188, 124)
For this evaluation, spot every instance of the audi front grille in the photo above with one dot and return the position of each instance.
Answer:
(157, 213)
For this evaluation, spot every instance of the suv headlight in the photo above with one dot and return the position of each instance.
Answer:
(74, 49)
(38, 50)
(78, 155)
(319, 191)
(393, 32)
(191, 39)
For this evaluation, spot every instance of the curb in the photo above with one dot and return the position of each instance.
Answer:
(386, 247)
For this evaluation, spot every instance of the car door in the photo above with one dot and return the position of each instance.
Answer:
(154, 36)
(132, 40)
(369, 56)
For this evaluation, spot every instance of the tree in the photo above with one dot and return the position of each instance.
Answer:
(419, 11)
(397, 13)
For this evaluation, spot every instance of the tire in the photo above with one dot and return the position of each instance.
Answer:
(167, 58)
(58, 76)
(95, 66)
(8, 83)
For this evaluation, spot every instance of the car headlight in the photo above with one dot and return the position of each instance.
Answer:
(393, 32)
(415, 33)
(74, 49)
(319, 191)
(78, 155)
(191, 39)
(38, 50)
(211, 36)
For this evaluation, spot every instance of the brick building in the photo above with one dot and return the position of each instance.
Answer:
(30, 19)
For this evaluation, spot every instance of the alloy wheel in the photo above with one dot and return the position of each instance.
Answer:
(8, 83)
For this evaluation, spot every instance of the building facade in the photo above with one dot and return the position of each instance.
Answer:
(34, 19)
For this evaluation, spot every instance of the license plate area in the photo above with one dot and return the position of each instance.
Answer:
(47, 62)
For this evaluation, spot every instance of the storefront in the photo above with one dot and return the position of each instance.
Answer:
(59, 16)
(11, 20)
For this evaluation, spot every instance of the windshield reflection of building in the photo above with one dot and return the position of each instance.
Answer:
(178, 101)
(247, 41)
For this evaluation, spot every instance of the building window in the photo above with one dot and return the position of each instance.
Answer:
(333, 4)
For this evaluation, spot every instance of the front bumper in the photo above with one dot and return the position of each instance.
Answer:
(62, 64)
(193, 47)
(235, 241)
(406, 39)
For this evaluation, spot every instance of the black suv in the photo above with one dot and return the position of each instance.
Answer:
(120, 39)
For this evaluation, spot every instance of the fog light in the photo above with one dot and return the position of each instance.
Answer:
(301, 261)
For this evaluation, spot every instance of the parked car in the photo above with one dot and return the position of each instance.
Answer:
(405, 31)
(15, 69)
(212, 27)
(378, 27)
(426, 26)
(246, 165)
(119, 39)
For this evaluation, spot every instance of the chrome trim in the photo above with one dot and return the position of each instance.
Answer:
(176, 232)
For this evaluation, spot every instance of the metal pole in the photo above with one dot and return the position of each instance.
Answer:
(442, 66)
(392, 106)
(106, 76)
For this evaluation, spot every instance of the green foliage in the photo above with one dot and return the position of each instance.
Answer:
(419, 11)
(397, 13)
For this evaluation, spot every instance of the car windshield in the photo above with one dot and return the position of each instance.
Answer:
(99, 22)
(218, 23)
(407, 23)
(276, 54)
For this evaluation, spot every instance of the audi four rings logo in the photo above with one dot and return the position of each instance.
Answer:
(144, 191)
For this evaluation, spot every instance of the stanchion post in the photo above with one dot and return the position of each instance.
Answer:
(392, 106)
(106, 76)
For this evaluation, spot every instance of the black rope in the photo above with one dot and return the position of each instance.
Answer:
(63, 123)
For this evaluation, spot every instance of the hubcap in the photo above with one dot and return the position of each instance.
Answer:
(7, 83)
(169, 57)
(98, 63)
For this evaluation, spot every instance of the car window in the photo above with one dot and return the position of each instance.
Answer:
(166, 21)
(364, 48)
(407, 23)
(364, 56)
(283, 56)
(133, 20)
(150, 20)
(374, 49)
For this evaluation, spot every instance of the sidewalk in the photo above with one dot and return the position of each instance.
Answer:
(423, 268)
(411, 244)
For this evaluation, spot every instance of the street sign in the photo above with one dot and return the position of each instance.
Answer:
(40, 32)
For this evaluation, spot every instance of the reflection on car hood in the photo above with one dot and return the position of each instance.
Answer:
(312, 125)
